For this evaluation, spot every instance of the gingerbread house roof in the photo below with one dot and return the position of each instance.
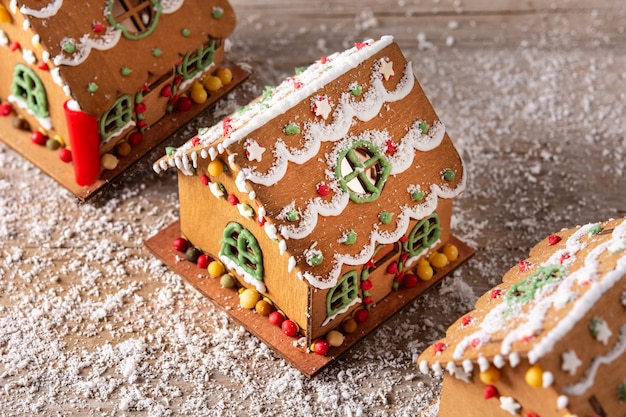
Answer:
(290, 146)
(97, 58)
(563, 305)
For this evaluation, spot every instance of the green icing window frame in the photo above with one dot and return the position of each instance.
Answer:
(118, 116)
(364, 159)
(240, 246)
(423, 235)
(133, 14)
(27, 87)
(197, 61)
(342, 294)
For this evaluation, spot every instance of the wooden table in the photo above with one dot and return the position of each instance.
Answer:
(532, 94)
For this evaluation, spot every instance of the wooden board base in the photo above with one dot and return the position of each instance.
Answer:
(48, 161)
(227, 300)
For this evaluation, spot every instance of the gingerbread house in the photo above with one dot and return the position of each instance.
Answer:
(101, 82)
(550, 341)
(326, 193)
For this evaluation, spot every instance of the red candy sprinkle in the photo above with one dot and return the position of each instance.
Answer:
(98, 27)
(360, 45)
(495, 293)
(531, 414)
(475, 342)
(205, 180)
(490, 392)
(227, 126)
(141, 124)
(323, 190)
(276, 318)
(361, 315)
(553, 240)
(38, 138)
(439, 347)
(392, 268)
(410, 281)
(5, 109)
(166, 91)
(14, 46)
(183, 104)
(323, 60)
(233, 200)
(135, 138)
(195, 141)
(564, 257)
(366, 285)
(65, 155)
(370, 264)
(390, 147)
(180, 244)
(203, 261)
(467, 320)
(260, 221)
(321, 347)
(140, 108)
(43, 66)
(368, 300)
(289, 328)
(524, 266)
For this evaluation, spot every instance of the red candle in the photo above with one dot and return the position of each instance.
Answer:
(85, 143)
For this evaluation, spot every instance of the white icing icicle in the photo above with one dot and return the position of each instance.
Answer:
(45, 12)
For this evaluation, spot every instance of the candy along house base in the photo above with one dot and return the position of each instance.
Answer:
(328, 198)
(88, 88)
(550, 341)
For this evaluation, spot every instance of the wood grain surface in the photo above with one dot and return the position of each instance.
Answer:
(91, 323)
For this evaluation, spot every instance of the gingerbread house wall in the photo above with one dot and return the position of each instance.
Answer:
(55, 95)
(203, 218)
(381, 278)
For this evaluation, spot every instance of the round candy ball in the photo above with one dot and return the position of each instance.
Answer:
(263, 307)
(216, 269)
(410, 281)
(65, 155)
(451, 252)
(289, 327)
(276, 318)
(225, 75)
(424, 270)
(534, 376)
(108, 161)
(320, 347)
(38, 138)
(215, 168)
(248, 298)
(212, 83)
(227, 281)
(490, 375)
(203, 261)
(438, 260)
(180, 244)
(349, 325)
(361, 315)
(334, 338)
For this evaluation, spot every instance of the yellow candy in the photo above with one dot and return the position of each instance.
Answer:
(334, 338)
(424, 270)
(225, 75)
(109, 161)
(5, 16)
(249, 298)
(198, 94)
(212, 83)
(122, 148)
(450, 251)
(534, 376)
(215, 168)
(349, 325)
(263, 308)
(490, 376)
(438, 260)
(216, 269)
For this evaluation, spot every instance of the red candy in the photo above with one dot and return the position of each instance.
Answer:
(205, 180)
(233, 200)
(321, 347)
(65, 155)
(553, 240)
(181, 244)
(38, 138)
(361, 315)
(166, 91)
(5, 109)
(439, 347)
(323, 190)
(135, 138)
(366, 285)
(524, 266)
(184, 104)
(203, 261)
(410, 281)
(289, 328)
(276, 318)
(490, 392)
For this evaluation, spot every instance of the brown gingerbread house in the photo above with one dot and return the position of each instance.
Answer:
(105, 80)
(326, 193)
(550, 341)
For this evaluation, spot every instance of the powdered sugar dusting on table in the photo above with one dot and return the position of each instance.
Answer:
(92, 323)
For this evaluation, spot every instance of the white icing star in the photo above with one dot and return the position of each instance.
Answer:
(386, 68)
(321, 107)
(254, 151)
(509, 404)
(601, 330)
(571, 362)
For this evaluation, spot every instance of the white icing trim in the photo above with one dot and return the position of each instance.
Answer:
(45, 12)
(84, 46)
(171, 6)
(45, 122)
(587, 380)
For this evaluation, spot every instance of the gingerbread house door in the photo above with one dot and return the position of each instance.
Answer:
(381, 271)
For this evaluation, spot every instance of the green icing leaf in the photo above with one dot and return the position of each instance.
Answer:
(595, 230)
(385, 217)
(170, 150)
(423, 126)
(291, 129)
(526, 290)
(417, 195)
(448, 174)
(350, 238)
